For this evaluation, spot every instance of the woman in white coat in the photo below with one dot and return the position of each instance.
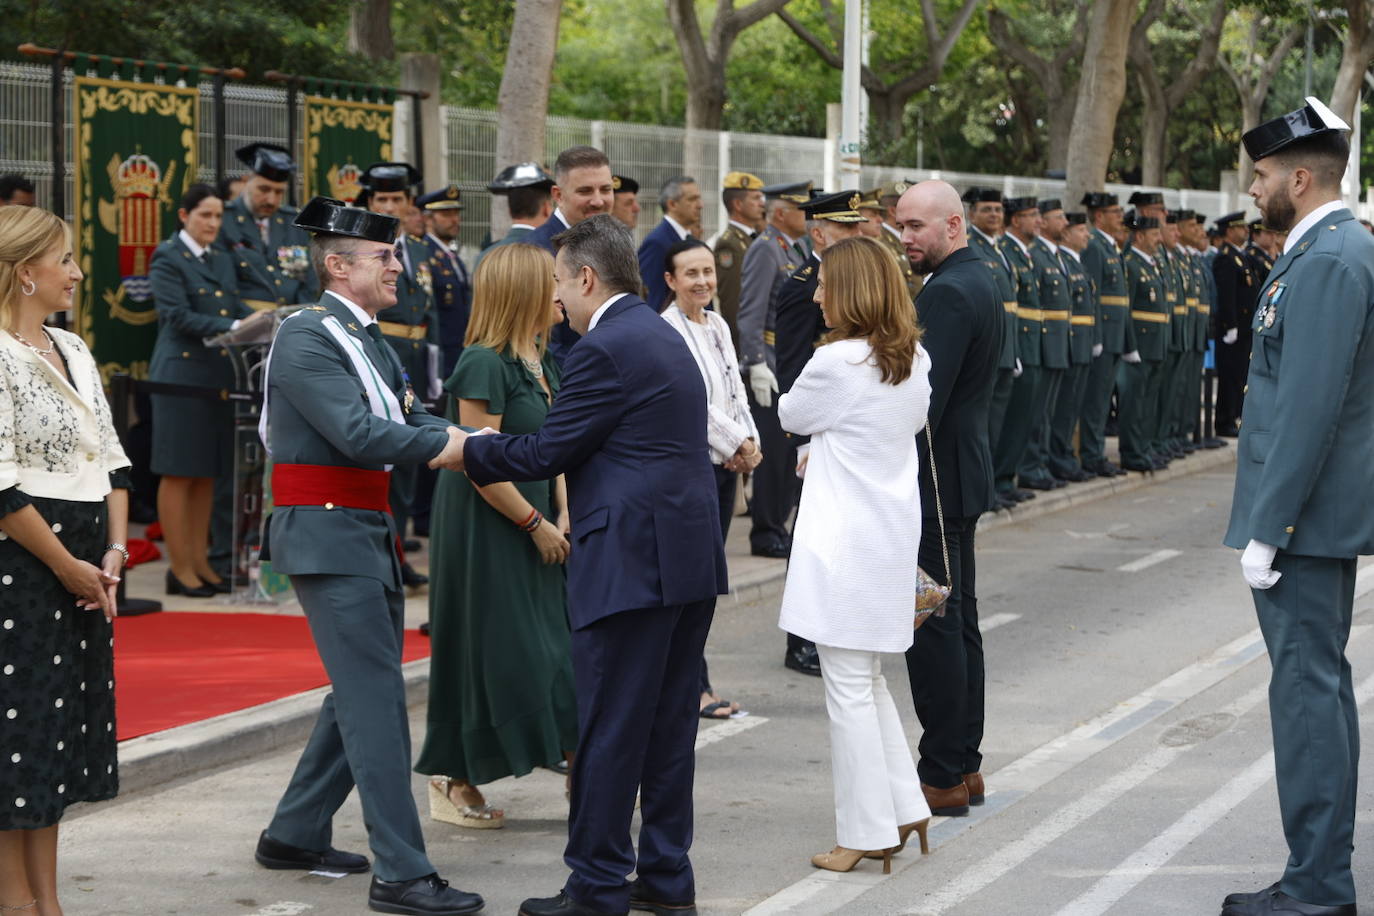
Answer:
(851, 583)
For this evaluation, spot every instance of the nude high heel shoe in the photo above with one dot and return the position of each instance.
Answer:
(842, 858)
(903, 832)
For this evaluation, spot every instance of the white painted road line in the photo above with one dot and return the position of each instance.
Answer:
(996, 620)
(1145, 562)
(726, 729)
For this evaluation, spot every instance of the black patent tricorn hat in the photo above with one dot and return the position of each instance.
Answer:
(389, 176)
(977, 195)
(327, 216)
(1099, 200)
(269, 160)
(1313, 119)
(520, 175)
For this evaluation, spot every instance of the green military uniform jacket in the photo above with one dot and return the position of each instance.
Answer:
(318, 413)
(514, 234)
(1083, 318)
(1150, 309)
(729, 251)
(1175, 293)
(891, 239)
(412, 324)
(1304, 478)
(1005, 276)
(1056, 304)
(1102, 262)
(1028, 320)
(194, 300)
(277, 271)
(1202, 308)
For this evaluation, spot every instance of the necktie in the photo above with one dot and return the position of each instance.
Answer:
(391, 363)
(263, 230)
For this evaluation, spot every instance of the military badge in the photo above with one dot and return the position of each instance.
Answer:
(1269, 317)
(294, 260)
(425, 278)
(727, 259)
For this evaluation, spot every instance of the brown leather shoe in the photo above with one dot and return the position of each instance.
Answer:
(976, 791)
(951, 802)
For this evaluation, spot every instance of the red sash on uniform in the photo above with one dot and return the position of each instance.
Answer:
(332, 487)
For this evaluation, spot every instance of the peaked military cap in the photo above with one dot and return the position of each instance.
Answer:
(1257, 225)
(868, 200)
(1014, 205)
(520, 175)
(622, 185)
(1098, 200)
(895, 188)
(798, 192)
(389, 176)
(1076, 217)
(1200, 218)
(1231, 219)
(1146, 199)
(327, 216)
(742, 181)
(446, 198)
(269, 160)
(840, 207)
(1049, 204)
(977, 195)
(1313, 119)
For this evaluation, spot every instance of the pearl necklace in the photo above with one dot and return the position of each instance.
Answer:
(533, 366)
(25, 341)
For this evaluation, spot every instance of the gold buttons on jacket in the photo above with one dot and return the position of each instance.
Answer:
(90, 456)
(1288, 530)
(218, 293)
(185, 354)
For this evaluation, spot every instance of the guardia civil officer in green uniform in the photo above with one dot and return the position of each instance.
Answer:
(1056, 306)
(1115, 332)
(270, 255)
(1304, 485)
(1237, 288)
(411, 326)
(1027, 390)
(1178, 282)
(1194, 235)
(1183, 258)
(742, 194)
(338, 414)
(984, 231)
(528, 191)
(1142, 369)
(1063, 463)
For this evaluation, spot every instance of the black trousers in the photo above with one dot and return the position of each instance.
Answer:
(1233, 365)
(945, 663)
(775, 479)
(726, 481)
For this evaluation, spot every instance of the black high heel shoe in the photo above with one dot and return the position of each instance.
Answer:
(222, 587)
(176, 587)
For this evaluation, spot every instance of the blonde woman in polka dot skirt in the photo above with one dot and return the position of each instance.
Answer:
(63, 517)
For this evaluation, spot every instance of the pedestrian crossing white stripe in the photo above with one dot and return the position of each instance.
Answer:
(1121, 880)
(725, 729)
(1145, 562)
(996, 620)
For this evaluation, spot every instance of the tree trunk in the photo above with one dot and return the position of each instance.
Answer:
(523, 100)
(1250, 107)
(1154, 127)
(1356, 55)
(1060, 125)
(887, 115)
(706, 102)
(704, 58)
(369, 29)
(1100, 91)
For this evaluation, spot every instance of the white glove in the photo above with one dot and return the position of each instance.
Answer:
(1097, 350)
(1230, 336)
(1256, 563)
(1133, 357)
(1016, 373)
(763, 383)
(803, 455)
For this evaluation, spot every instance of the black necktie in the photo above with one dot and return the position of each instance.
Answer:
(388, 356)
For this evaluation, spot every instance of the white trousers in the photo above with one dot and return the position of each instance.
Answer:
(876, 786)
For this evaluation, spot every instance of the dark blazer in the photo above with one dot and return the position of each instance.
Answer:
(452, 289)
(651, 253)
(194, 300)
(563, 336)
(629, 430)
(960, 308)
(797, 322)
(1235, 280)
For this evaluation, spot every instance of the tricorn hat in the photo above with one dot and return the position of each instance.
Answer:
(1014, 205)
(269, 160)
(1076, 217)
(1313, 119)
(977, 195)
(622, 185)
(1049, 204)
(520, 175)
(327, 216)
(1146, 199)
(390, 176)
(1098, 200)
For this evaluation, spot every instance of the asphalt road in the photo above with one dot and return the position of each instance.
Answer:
(1127, 759)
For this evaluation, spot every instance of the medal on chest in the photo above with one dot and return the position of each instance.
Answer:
(1268, 310)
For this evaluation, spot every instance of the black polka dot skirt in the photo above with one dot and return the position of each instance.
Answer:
(57, 725)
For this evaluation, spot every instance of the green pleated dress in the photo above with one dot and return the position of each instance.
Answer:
(501, 696)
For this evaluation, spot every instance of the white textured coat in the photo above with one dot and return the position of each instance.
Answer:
(851, 582)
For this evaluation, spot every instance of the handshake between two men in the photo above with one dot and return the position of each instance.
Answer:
(451, 456)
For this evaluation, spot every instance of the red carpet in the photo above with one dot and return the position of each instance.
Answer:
(173, 668)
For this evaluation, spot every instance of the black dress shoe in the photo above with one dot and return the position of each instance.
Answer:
(1160, 462)
(561, 905)
(427, 896)
(412, 579)
(1227, 432)
(805, 660)
(1252, 896)
(1058, 484)
(176, 587)
(1037, 483)
(1274, 902)
(1144, 467)
(1079, 475)
(641, 899)
(1003, 504)
(775, 550)
(1213, 442)
(276, 854)
(411, 545)
(1022, 496)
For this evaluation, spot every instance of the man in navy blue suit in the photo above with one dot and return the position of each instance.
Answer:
(583, 187)
(680, 200)
(629, 430)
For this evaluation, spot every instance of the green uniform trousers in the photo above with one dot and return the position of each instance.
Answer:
(1035, 461)
(1097, 403)
(1027, 395)
(1066, 410)
(1305, 619)
(362, 736)
(1166, 435)
(1138, 415)
(997, 407)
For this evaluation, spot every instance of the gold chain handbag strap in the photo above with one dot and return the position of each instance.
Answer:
(939, 509)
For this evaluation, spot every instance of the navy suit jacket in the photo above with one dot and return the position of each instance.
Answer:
(651, 253)
(628, 428)
(563, 336)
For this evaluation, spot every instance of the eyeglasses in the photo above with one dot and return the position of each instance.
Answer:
(384, 257)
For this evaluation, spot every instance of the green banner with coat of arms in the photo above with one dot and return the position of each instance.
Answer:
(342, 138)
(135, 153)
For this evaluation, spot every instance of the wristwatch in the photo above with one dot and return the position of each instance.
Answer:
(121, 548)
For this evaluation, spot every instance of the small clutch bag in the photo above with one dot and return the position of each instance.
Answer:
(931, 596)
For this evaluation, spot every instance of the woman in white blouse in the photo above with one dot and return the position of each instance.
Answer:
(63, 509)
(690, 272)
(851, 583)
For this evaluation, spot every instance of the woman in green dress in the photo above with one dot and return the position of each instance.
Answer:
(501, 699)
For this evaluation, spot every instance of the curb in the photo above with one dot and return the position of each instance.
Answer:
(152, 760)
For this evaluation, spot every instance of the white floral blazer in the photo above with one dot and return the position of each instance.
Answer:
(56, 441)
